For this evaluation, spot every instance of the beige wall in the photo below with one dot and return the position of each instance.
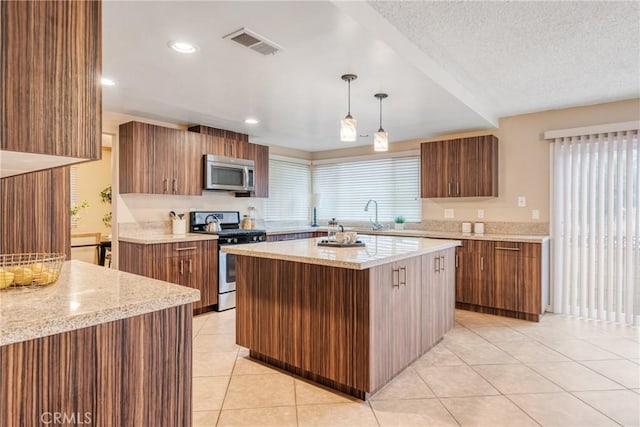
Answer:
(92, 178)
(524, 159)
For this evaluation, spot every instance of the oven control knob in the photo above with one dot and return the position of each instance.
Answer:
(235, 240)
(229, 240)
(254, 238)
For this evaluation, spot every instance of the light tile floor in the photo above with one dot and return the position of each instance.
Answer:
(488, 371)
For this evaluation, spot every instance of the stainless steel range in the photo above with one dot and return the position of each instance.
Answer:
(229, 233)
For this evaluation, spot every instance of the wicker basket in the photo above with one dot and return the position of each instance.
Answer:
(32, 269)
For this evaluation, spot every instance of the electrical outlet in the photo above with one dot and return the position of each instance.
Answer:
(522, 201)
(448, 213)
(480, 213)
(535, 214)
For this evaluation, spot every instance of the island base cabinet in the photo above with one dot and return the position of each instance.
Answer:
(438, 297)
(130, 372)
(351, 330)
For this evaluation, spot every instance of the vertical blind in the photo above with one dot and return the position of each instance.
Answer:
(289, 191)
(74, 193)
(596, 226)
(345, 188)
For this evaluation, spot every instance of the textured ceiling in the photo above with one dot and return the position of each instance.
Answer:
(521, 57)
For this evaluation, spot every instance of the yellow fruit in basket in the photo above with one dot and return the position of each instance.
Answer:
(44, 277)
(23, 275)
(37, 268)
(6, 278)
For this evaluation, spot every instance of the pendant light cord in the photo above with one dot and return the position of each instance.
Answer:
(349, 98)
(380, 114)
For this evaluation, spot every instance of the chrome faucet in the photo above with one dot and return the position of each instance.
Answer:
(376, 225)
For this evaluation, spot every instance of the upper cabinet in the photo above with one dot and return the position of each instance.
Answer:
(465, 167)
(51, 93)
(159, 160)
(232, 144)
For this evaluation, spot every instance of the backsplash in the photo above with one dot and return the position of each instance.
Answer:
(144, 208)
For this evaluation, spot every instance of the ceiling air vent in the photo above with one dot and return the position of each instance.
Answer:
(248, 38)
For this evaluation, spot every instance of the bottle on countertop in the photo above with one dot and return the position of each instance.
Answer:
(245, 224)
(332, 229)
(252, 217)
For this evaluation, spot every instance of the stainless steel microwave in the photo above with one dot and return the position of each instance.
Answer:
(228, 173)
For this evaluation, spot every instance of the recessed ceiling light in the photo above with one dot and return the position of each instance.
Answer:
(107, 82)
(182, 47)
(251, 121)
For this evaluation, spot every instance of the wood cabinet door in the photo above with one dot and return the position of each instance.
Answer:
(530, 289)
(507, 277)
(474, 273)
(468, 168)
(51, 59)
(203, 273)
(165, 143)
(135, 158)
(261, 172)
(436, 169)
(486, 177)
(408, 318)
(430, 293)
(188, 167)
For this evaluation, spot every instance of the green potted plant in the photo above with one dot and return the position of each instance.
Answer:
(105, 196)
(399, 222)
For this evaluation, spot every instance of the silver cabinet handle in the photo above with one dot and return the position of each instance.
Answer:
(174, 186)
(190, 269)
(458, 188)
(456, 260)
(449, 188)
(164, 185)
(181, 266)
(190, 248)
(502, 248)
(436, 264)
(482, 263)
(441, 263)
(404, 280)
(395, 281)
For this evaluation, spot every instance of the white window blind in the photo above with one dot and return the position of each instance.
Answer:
(596, 226)
(289, 191)
(345, 188)
(74, 193)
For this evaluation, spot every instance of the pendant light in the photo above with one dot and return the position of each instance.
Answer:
(381, 138)
(348, 131)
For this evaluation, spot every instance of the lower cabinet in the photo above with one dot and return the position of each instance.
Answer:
(294, 236)
(438, 297)
(193, 264)
(505, 278)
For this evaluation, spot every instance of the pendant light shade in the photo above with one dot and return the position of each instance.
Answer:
(348, 125)
(381, 138)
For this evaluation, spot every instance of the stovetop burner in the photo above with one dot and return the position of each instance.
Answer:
(230, 232)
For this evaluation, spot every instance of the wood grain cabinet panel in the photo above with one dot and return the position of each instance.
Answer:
(35, 212)
(474, 273)
(51, 66)
(294, 236)
(130, 372)
(159, 160)
(193, 264)
(504, 278)
(438, 297)
(465, 167)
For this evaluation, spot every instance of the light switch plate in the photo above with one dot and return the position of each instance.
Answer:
(480, 213)
(535, 214)
(448, 213)
(522, 201)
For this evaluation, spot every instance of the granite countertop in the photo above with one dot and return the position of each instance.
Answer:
(418, 233)
(379, 250)
(151, 239)
(84, 295)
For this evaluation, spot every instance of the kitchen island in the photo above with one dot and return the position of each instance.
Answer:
(348, 318)
(99, 347)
